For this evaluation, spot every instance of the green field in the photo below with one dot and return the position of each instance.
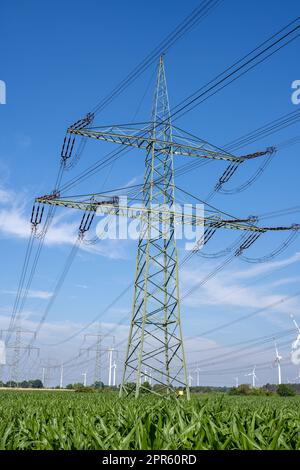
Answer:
(65, 420)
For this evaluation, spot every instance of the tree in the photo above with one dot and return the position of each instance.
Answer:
(243, 389)
(159, 388)
(11, 383)
(146, 387)
(36, 383)
(78, 385)
(98, 384)
(284, 390)
(84, 389)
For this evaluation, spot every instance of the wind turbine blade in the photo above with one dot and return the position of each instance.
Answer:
(295, 323)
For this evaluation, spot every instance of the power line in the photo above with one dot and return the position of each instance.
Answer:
(183, 28)
(277, 303)
(192, 100)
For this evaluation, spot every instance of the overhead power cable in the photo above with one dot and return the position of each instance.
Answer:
(285, 36)
(183, 28)
(263, 51)
(277, 303)
(193, 19)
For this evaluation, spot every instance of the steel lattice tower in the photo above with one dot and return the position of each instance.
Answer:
(17, 347)
(155, 338)
(98, 350)
(155, 345)
(97, 371)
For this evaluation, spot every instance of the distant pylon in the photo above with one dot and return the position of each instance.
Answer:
(17, 354)
(97, 348)
(155, 337)
(17, 347)
(97, 372)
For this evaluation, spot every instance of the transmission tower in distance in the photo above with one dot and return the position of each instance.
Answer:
(17, 347)
(97, 348)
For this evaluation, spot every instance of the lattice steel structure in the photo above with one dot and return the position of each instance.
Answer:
(155, 341)
(98, 350)
(16, 346)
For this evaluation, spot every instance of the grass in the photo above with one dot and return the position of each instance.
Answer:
(43, 420)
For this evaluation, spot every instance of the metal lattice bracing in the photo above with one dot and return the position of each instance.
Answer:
(155, 347)
(155, 339)
(16, 346)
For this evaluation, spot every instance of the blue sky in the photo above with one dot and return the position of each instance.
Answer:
(58, 60)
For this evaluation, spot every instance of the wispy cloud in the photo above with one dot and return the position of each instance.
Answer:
(267, 267)
(23, 141)
(285, 281)
(132, 181)
(55, 331)
(5, 196)
(32, 294)
(14, 222)
(227, 289)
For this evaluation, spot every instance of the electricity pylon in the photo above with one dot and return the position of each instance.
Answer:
(17, 347)
(155, 338)
(97, 348)
(49, 365)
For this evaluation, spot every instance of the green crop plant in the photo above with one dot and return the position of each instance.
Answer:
(65, 420)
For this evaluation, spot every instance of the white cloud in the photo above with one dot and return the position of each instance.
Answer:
(54, 331)
(32, 294)
(132, 181)
(285, 281)
(267, 267)
(14, 222)
(5, 196)
(226, 290)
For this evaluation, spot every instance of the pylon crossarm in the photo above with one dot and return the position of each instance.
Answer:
(146, 141)
(155, 339)
(161, 216)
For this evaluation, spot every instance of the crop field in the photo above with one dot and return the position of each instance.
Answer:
(43, 420)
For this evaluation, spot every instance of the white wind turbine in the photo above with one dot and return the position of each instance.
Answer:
(111, 367)
(253, 375)
(114, 366)
(84, 378)
(236, 382)
(296, 343)
(197, 372)
(278, 358)
(190, 378)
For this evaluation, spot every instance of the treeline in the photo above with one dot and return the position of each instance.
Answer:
(243, 389)
(24, 384)
(209, 389)
(283, 390)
